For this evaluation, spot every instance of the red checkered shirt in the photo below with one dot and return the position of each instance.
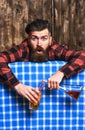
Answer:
(75, 60)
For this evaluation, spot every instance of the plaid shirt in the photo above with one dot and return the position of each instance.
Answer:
(75, 60)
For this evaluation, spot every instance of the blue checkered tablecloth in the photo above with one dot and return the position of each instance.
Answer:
(57, 111)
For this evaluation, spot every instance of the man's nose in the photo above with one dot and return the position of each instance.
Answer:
(39, 42)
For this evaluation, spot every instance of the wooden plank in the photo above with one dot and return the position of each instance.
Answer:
(5, 25)
(20, 19)
(66, 17)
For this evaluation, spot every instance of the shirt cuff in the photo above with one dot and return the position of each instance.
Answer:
(67, 72)
(12, 82)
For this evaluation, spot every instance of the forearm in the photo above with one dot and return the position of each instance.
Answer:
(6, 75)
(75, 60)
(17, 53)
(9, 79)
(74, 66)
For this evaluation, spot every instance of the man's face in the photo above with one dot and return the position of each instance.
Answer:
(39, 42)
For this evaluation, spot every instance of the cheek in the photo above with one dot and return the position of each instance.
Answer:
(46, 45)
(33, 45)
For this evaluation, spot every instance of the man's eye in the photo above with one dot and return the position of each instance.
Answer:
(44, 38)
(34, 38)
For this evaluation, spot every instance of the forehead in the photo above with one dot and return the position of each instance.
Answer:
(44, 32)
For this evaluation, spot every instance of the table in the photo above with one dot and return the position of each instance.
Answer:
(57, 111)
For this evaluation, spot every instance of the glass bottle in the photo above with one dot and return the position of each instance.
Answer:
(35, 106)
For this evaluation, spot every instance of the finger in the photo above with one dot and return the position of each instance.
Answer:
(52, 84)
(28, 97)
(55, 85)
(49, 84)
(36, 93)
(36, 90)
(27, 94)
(34, 96)
(31, 98)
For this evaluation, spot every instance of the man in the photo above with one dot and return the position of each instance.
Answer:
(40, 47)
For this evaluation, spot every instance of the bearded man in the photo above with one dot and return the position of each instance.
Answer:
(39, 47)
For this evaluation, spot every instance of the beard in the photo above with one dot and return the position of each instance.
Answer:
(38, 54)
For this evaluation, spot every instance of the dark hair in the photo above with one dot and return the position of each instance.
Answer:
(37, 25)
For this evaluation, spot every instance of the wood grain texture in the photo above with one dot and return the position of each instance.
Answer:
(67, 19)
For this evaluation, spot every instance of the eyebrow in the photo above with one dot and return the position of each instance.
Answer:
(37, 36)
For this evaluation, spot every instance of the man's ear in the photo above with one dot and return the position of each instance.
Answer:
(28, 37)
(50, 40)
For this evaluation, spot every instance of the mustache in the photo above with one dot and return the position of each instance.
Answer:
(39, 49)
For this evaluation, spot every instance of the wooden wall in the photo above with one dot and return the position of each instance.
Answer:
(67, 18)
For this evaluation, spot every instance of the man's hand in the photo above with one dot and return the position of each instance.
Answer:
(28, 92)
(54, 80)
